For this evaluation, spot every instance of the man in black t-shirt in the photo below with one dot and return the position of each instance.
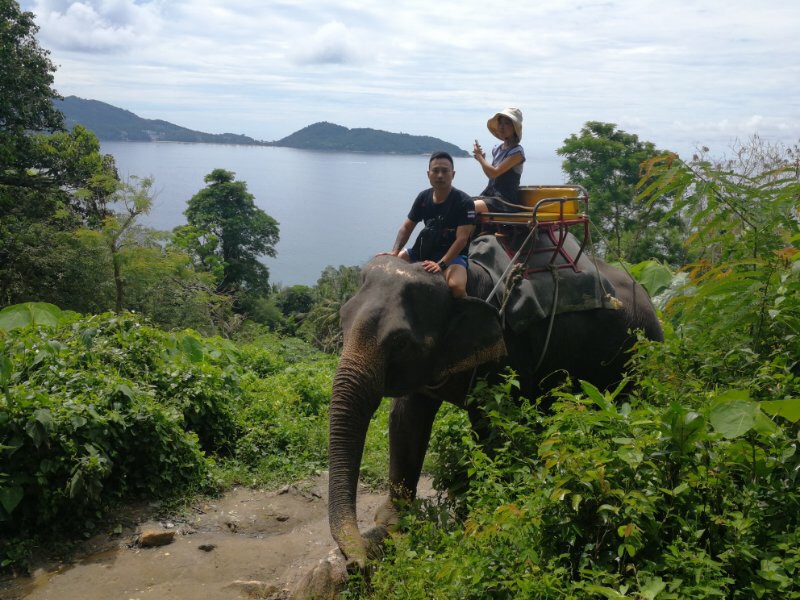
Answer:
(449, 216)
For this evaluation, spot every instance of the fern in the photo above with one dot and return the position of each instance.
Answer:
(744, 240)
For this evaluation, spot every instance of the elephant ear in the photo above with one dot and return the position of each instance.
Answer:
(474, 336)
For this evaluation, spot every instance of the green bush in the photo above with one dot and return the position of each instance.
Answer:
(100, 409)
(205, 396)
(447, 460)
(82, 424)
(607, 501)
(278, 442)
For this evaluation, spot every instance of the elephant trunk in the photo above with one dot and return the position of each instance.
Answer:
(357, 389)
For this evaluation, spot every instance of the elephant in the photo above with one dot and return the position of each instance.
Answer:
(407, 338)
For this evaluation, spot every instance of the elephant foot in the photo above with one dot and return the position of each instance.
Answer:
(325, 581)
(387, 516)
(374, 539)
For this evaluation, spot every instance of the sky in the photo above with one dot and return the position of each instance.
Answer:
(681, 74)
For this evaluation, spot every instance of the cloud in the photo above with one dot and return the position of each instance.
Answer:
(671, 72)
(331, 43)
(96, 25)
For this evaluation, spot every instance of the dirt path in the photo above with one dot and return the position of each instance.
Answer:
(270, 539)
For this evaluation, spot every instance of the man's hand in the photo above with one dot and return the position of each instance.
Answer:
(431, 266)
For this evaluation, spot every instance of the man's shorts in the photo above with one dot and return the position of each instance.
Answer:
(461, 259)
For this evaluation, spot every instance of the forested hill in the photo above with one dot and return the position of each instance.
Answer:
(114, 124)
(329, 136)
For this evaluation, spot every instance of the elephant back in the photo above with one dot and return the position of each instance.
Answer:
(536, 285)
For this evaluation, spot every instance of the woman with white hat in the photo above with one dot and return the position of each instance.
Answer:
(505, 170)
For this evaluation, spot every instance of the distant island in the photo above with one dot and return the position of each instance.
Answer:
(328, 136)
(114, 124)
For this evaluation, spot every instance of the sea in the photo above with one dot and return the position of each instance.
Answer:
(333, 208)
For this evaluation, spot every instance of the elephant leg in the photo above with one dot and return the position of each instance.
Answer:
(479, 422)
(410, 423)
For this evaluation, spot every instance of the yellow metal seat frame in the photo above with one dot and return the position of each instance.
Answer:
(554, 209)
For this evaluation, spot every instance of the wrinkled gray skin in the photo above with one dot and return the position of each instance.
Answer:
(407, 338)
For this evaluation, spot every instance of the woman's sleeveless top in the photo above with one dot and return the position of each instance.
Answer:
(507, 185)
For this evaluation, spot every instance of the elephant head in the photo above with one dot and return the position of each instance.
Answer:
(403, 331)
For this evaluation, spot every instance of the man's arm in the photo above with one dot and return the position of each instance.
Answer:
(463, 233)
(402, 237)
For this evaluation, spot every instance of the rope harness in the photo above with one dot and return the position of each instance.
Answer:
(511, 265)
(510, 279)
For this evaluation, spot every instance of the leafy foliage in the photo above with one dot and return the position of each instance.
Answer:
(68, 230)
(100, 409)
(73, 407)
(596, 500)
(26, 91)
(119, 229)
(66, 183)
(75, 242)
(654, 277)
(744, 240)
(606, 161)
(295, 302)
(70, 166)
(334, 287)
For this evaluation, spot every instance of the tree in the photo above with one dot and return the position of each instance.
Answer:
(41, 260)
(66, 161)
(321, 325)
(50, 185)
(61, 240)
(70, 187)
(71, 165)
(606, 161)
(119, 229)
(26, 93)
(293, 303)
(227, 233)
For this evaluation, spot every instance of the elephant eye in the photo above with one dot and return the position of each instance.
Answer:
(400, 343)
